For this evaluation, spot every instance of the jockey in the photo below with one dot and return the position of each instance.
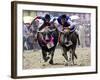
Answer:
(42, 22)
(65, 22)
(66, 25)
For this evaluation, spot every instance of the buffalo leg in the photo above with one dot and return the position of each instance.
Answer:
(44, 55)
(65, 54)
(52, 54)
(73, 55)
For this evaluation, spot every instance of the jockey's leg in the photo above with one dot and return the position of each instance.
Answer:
(41, 39)
(62, 39)
(68, 38)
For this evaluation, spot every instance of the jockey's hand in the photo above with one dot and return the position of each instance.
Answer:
(66, 29)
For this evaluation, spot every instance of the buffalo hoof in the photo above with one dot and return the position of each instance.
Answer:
(66, 64)
(62, 54)
(44, 65)
(51, 62)
(46, 59)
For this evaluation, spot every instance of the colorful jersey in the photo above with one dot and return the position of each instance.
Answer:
(68, 23)
(41, 22)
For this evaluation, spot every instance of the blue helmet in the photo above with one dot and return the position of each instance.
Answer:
(63, 16)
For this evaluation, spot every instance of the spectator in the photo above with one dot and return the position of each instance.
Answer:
(27, 37)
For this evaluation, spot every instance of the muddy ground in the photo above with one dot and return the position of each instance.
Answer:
(33, 59)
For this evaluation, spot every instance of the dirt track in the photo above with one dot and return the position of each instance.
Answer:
(34, 59)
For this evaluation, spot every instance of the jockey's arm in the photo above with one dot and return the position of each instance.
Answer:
(41, 27)
(56, 24)
(72, 24)
(38, 17)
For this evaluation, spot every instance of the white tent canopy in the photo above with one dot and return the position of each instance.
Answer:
(28, 19)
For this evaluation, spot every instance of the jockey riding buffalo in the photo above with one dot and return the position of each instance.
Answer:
(68, 37)
(47, 37)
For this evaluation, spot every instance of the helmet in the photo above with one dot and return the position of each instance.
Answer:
(47, 16)
(63, 16)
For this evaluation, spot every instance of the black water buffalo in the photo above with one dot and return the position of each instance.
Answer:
(74, 38)
(47, 40)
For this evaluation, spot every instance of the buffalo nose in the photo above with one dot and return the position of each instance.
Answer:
(46, 38)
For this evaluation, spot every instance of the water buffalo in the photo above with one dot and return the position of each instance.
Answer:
(47, 40)
(63, 40)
